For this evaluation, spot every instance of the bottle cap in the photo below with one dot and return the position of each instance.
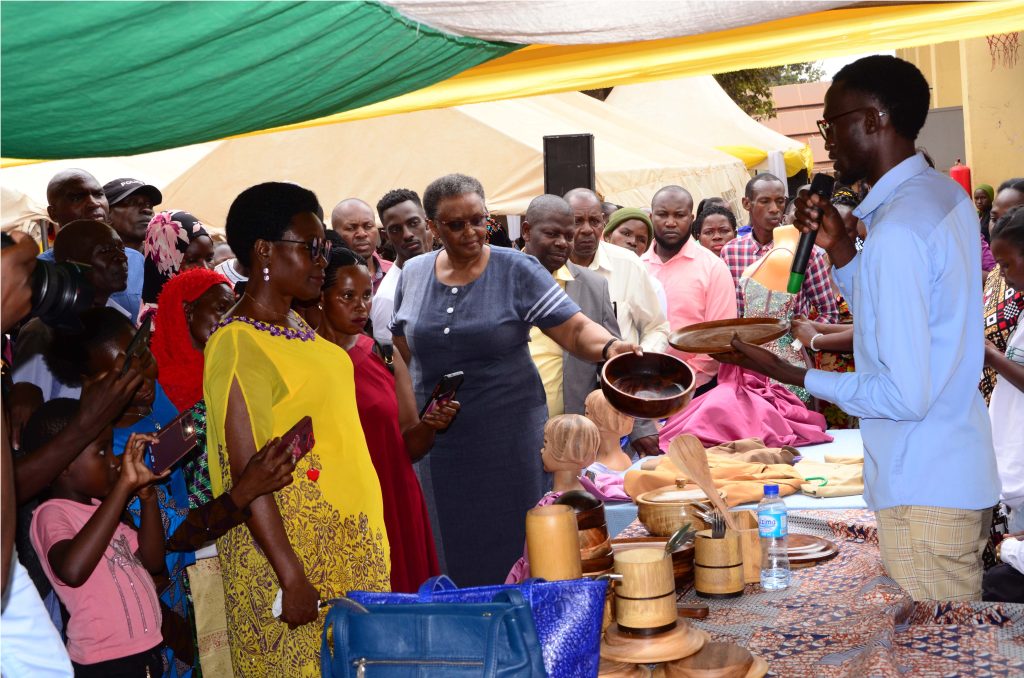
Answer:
(771, 490)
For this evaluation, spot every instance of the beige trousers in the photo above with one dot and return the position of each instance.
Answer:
(934, 553)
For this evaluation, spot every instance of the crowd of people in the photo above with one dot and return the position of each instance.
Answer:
(354, 325)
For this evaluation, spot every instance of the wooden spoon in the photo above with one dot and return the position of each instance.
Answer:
(689, 455)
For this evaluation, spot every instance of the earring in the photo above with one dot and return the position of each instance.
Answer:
(266, 274)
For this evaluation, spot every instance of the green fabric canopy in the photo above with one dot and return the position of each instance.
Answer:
(83, 79)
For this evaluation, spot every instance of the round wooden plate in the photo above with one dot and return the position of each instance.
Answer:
(805, 550)
(716, 660)
(716, 336)
(682, 641)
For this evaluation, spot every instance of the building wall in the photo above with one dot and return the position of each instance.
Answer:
(798, 109)
(962, 74)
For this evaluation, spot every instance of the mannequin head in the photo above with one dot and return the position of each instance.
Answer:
(607, 418)
(570, 443)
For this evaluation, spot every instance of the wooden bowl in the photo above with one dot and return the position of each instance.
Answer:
(590, 521)
(651, 386)
(714, 660)
(682, 557)
(662, 514)
(598, 564)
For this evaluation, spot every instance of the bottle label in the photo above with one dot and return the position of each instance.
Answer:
(772, 524)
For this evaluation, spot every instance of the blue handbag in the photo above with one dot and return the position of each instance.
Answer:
(496, 639)
(567, 615)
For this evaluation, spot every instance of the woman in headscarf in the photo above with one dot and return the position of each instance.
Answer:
(983, 197)
(175, 242)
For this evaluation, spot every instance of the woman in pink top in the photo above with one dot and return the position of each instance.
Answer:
(100, 567)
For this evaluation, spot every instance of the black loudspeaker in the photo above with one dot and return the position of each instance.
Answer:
(568, 163)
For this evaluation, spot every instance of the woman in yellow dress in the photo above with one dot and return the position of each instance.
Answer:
(265, 370)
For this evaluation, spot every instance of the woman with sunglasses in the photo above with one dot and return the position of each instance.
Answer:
(265, 370)
(470, 308)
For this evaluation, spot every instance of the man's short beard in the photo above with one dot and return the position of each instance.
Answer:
(673, 248)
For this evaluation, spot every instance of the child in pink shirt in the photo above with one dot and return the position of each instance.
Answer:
(99, 566)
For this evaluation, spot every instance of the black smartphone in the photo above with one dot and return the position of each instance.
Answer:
(138, 343)
(443, 392)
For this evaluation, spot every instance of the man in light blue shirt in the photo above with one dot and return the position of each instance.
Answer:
(915, 293)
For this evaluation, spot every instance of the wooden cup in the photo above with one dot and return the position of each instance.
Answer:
(750, 543)
(718, 565)
(645, 599)
(553, 543)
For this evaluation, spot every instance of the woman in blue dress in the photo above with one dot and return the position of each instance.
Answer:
(469, 307)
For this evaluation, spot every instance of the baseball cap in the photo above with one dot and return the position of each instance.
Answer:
(119, 189)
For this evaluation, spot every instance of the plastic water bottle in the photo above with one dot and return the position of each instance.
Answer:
(773, 527)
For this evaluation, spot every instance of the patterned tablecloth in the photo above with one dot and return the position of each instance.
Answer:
(846, 618)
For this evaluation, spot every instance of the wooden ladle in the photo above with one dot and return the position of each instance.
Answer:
(689, 455)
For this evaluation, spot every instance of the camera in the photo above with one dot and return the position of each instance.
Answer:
(60, 291)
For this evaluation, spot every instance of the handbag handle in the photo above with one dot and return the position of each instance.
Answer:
(439, 583)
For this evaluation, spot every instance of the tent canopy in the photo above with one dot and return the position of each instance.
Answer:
(501, 143)
(94, 78)
(698, 108)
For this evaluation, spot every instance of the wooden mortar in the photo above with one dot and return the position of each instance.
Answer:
(645, 599)
(552, 543)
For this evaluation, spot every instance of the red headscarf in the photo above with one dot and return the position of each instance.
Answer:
(180, 365)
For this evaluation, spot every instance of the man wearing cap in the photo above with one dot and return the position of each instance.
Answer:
(631, 228)
(698, 283)
(75, 194)
(131, 207)
(547, 234)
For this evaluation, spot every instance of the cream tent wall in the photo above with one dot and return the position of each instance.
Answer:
(501, 143)
(24, 186)
(498, 142)
(699, 108)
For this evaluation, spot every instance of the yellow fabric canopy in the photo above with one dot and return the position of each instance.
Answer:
(543, 69)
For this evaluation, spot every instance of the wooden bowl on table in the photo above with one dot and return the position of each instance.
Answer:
(715, 660)
(651, 386)
(590, 522)
(666, 509)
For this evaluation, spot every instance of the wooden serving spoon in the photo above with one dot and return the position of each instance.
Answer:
(689, 455)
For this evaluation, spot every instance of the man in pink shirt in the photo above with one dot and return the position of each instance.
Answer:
(698, 285)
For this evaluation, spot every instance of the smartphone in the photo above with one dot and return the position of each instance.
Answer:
(138, 344)
(443, 392)
(174, 441)
(299, 439)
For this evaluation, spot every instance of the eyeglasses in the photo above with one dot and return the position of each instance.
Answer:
(318, 247)
(479, 221)
(825, 125)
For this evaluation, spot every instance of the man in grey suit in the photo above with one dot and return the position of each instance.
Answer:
(547, 232)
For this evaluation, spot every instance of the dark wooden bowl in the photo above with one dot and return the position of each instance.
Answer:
(651, 386)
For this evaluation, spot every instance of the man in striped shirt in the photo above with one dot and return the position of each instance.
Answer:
(765, 200)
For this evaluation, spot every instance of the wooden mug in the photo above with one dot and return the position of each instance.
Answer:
(645, 599)
(718, 565)
(552, 543)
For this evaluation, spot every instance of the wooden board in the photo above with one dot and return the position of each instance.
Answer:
(716, 336)
(805, 550)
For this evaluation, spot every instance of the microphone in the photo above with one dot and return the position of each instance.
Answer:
(821, 185)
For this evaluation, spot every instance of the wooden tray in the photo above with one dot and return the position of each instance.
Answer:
(682, 641)
(716, 660)
(716, 336)
(805, 550)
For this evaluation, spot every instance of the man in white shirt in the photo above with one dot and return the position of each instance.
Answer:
(405, 226)
(634, 300)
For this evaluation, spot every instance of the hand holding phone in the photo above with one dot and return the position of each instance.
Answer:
(444, 391)
(138, 344)
(299, 439)
(173, 442)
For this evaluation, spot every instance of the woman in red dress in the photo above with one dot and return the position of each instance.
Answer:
(395, 434)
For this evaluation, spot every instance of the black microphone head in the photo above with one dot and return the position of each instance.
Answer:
(822, 185)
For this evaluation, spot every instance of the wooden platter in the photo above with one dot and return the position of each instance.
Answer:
(716, 336)
(716, 660)
(805, 550)
(682, 641)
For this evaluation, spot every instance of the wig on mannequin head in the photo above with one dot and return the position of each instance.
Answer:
(571, 439)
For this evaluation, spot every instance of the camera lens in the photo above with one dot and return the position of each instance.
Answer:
(60, 292)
